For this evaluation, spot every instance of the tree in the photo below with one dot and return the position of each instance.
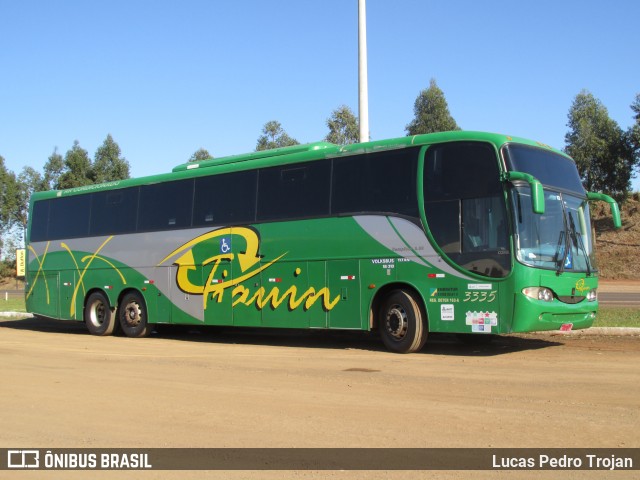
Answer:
(602, 151)
(5, 192)
(52, 170)
(108, 165)
(344, 128)
(274, 136)
(29, 181)
(634, 131)
(8, 202)
(77, 168)
(635, 106)
(200, 155)
(8, 197)
(431, 112)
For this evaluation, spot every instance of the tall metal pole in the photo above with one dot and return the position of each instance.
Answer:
(363, 83)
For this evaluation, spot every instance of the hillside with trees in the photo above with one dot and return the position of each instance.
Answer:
(617, 250)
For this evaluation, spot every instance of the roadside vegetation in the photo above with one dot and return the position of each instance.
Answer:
(618, 317)
(617, 250)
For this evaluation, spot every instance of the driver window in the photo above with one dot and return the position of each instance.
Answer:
(465, 206)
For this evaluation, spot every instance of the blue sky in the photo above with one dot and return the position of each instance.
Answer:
(166, 78)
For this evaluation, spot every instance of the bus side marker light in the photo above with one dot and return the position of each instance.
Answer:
(372, 286)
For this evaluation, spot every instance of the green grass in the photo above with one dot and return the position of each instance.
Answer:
(618, 317)
(14, 304)
(607, 316)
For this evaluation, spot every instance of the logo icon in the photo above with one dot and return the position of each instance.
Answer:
(581, 287)
(23, 459)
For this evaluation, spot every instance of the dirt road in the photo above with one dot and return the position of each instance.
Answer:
(65, 388)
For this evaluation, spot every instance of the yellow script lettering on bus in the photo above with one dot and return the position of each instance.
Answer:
(198, 252)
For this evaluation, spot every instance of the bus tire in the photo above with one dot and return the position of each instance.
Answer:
(133, 317)
(98, 316)
(402, 322)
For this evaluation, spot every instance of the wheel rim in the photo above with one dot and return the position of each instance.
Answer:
(397, 322)
(97, 314)
(133, 314)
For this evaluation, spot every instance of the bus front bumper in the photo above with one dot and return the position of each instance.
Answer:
(531, 315)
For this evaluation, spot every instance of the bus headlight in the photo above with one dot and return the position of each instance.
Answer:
(592, 295)
(539, 293)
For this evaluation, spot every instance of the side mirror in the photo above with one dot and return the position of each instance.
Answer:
(537, 192)
(615, 209)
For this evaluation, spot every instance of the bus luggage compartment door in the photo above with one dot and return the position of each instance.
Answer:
(343, 294)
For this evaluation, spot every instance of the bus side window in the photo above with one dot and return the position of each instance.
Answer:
(381, 182)
(288, 192)
(69, 217)
(165, 205)
(228, 199)
(39, 221)
(465, 208)
(114, 212)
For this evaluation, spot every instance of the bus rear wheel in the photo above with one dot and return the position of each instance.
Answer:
(402, 322)
(98, 316)
(133, 317)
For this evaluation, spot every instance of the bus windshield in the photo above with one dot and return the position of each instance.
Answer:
(550, 168)
(560, 239)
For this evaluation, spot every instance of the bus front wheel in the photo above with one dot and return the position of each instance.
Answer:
(98, 316)
(133, 316)
(402, 322)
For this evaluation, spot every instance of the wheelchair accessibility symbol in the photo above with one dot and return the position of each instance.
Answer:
(569, 261)
(225, 244)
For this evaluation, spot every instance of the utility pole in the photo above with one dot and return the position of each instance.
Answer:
(363, 83)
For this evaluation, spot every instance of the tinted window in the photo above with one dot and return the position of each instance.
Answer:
(465, 207)
(294, 191)
(444, 224)
(39, 221)
(69, 217)
(378, 182)
(461, 170)
(114, 211)
(225, 199)
(548, 167)
(165, 206)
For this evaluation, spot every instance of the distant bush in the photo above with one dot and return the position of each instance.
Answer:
(7, 269)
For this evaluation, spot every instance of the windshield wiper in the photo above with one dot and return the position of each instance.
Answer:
(564, 235)
(577, 239)
(561, 261)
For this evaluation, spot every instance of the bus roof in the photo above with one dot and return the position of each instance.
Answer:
(294, 154)
(325, 149)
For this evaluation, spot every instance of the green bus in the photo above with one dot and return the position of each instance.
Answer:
(463, 232)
